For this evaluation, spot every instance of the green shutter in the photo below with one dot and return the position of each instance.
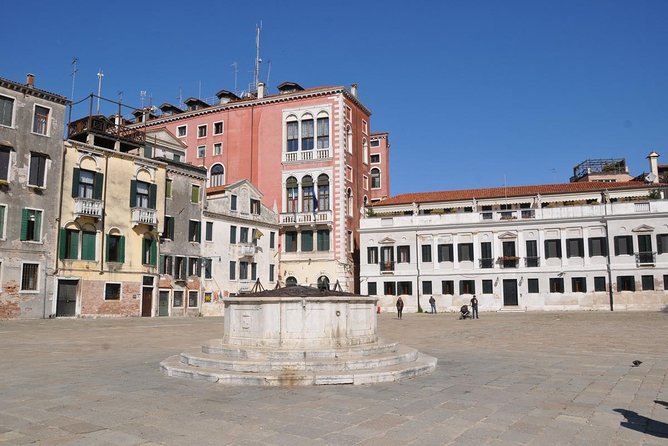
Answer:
(152, 192)
(74, 245)
(98, 182)
(161, 265)
(38, 226)
(24, 224)
(122, 249)
(153, 253)
(133, 193)
(88, 245)
(194, 194)
(171, 228)
(2, 222)
(75, 182)
(148, 151)
(63, 243)
(198, 232)
(168, 268)
(106, 247)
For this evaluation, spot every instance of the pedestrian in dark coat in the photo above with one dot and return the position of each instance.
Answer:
(400, 306)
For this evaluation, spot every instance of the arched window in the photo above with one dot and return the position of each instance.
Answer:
(290, 281)
(349, 202)
(292, 197)
(323, 192)
(349, 139)
(323, 131)
(323, 283)
(308, 198)
(217, 176)
(307, 132)
(375, 178)
(365, 151)
(292, 134)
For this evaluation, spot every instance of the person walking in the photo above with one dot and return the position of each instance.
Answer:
(432, 301)
(400, 306)
(474, 307)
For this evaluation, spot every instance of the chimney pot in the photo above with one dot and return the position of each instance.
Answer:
(653, 166)
(260, 90)
(353, 90)
(30, 80)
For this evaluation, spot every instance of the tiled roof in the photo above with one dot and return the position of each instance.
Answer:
(510, 191)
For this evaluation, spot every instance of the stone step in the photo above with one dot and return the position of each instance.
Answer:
(400, 354)
(512, 309)
(423, 364)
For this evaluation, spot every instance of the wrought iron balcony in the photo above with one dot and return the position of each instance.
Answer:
(645, 258)
(486, 263)
(531, 261)
(88, 207)
(387, 267)
(297, 218)
(144, 216)
(508, 261)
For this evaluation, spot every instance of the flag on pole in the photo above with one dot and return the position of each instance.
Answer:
(257, 234)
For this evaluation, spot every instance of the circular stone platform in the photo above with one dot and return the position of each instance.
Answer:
(299, 336)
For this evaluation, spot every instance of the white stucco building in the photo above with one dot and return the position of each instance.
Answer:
(573, 246)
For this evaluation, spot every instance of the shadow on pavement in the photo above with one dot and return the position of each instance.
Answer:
(639, 423)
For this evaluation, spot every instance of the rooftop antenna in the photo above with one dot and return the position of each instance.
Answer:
(100, 75)
(268, 72)
(199, 89)
(142, 96)
(236, 72)
(258, 61)
(75, 61)
(180, 96)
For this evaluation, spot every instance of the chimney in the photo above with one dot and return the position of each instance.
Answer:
(653, 166)
(260, 90)
(353, 90)
(30, 80)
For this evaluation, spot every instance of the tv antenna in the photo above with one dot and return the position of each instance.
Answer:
(236, 73)
(100, 75)
(258, 61)
(268, 72)
(142, 97)
(75, 61)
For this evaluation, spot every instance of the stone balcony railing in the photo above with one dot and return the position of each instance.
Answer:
(297, 218)
(88, 207)
(247, 250)
(307, 155)
(144, 216)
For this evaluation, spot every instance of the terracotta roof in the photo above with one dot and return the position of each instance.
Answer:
(510, 191)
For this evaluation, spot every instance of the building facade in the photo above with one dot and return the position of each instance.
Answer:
(573, 246)
(31, 146)
(306, 150)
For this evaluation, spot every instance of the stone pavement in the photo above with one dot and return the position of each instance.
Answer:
(505, 379)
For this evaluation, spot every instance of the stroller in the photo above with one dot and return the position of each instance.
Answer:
(464, 312)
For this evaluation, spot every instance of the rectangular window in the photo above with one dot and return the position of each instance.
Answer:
(168, 188)
(375, 158)
(574, 247)
(255, 207)
(307, 134)
(201, 131)
(323, 133)
(178, 299)
(553, 249)
(532, 259)
(218, 128)
(290, 241)
(182, 131)
(426, 253)
(112, 291)
(579, 284)
(292, 134)
(662, 243)
(209, 231)
(389, 289)
(623, 245)
(194, 266)
(445, 253)
(665, 282)
(486, 259)
(271, 272)
(88, 239)
(233, 270)
(465, 252)
(6, 111)
(69, 244)
(599, 283)
(37, 169)
(243, 235)
(253, 271)
(233, 202)
(29, 277)
(532, 286)
(3, 213)
(218, 148)
(233, 234)
(372, 289)
(180, 268)
(466, 287)
(556, 285)
(647, 283)
(374, 143)
(448, 287)
(115, 248)
(626, 283)
(142, 195)
(149, 252)
(405, 287)
(372, 255)
(272, 240)
(201, 151)
(4, 163)
(195, 193)
(40, 122)
(597, 247)
(193, 298)
(323, 240)
(403, 254)
(194, 231)
(487, 287)
(243, 270)
(426, 287)
(31, 225)
(86, 184)
(307, 241)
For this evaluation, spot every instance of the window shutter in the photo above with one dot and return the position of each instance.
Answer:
(106, 247)
(74, 245)
(153, 252)
(199, 266)
(88, 245)
(24, 224)
(122, 249)
(659, 243)
(152, 192)
(168, 268)
(38, 226)
(63, 243)
(171, 228)
(161, 264)
(184, 267)
(133, 193)
(198, 235)
(98, 182)
(75, 182)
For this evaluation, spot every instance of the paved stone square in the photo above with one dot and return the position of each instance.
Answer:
(505, 379)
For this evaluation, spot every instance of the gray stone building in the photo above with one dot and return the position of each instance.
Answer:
(31, 147)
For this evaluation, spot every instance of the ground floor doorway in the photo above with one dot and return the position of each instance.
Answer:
(510, 292)
(66, 301)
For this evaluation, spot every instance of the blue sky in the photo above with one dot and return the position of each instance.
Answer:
(474, 93)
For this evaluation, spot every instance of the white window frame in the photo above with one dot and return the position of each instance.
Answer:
(41, 227)
(206, 131)
(348, 113)
(47, 165)
(349, 173)
(185, 131)
(3, 234)
(120, 294)
(365, 182)
(222, 123)
(218, 144)
(365, 127)
(13, 123)
(380, 158)
(203, 153)
(48, 121)
(187, 303)
(10, 161)
(37, 280)
(380, 179)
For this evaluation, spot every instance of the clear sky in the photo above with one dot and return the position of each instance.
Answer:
(474, 93)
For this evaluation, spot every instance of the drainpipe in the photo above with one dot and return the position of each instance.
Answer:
(417, 266)
(104, 212)
(607, 257)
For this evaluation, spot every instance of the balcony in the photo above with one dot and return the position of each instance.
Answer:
(645, 258)
(245, 285)
(299, 218)
(486, 263)
(88, 207)
(307, 155)
(387, 267)
(508, 261)
(144, 216)
(531, 261)
(247, 250)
